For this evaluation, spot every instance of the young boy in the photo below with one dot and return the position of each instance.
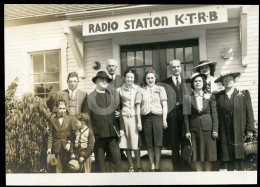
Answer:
(61, 135)
(84, 141)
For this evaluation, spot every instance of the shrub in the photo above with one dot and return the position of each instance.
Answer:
(26, 131)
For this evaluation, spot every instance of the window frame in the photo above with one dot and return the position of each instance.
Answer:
(31, 73)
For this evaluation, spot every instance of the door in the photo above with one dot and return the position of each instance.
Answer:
(143, 57)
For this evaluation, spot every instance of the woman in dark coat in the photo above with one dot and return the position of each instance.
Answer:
(201, 123)
(236, 119)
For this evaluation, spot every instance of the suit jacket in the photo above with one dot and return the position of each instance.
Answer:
(243, 121)
(119, 81)
(61, 134)
(207, 119)
(172, 92)
(103, 119)
(80, 98)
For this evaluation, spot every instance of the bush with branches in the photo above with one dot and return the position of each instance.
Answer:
(26, 131)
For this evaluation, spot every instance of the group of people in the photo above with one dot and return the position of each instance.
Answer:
(122, 115)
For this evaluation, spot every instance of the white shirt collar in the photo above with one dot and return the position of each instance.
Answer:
(229, 93)
(174, 78)
(81, 130)
(70, 91)
(132, 87)
(153, 88)
(100, 91)
(112, 77)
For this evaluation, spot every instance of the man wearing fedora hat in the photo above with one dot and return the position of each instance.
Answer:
(107, 131)
(208, 68)
(236, 120)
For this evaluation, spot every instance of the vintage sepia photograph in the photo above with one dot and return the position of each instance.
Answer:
(131, 94)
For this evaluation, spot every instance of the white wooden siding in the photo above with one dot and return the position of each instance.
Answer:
(100, 50)
(19, 41)
(230, 37)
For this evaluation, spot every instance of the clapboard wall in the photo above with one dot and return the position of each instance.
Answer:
(217, 39)
(20, 41)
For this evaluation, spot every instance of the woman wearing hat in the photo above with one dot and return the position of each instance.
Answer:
(236, 119)
(129, 141)
(208, 68)
(201, 123)
(151, 109)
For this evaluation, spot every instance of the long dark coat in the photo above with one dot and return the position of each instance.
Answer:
(103, 118)
(243, 120)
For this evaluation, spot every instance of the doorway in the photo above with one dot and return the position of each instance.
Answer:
(143, 57)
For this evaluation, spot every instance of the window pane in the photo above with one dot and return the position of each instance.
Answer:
(140, 73)
(169, 54)
(139, 58)
(43, 90)
(38, 78)
(130, 59)
(148, 68)
(51, 77)
(188, 54)
(39, 90)
(52, 62)
(179, 54)
(38, 66)
(187, 70)
(148, 57)
(52, 88)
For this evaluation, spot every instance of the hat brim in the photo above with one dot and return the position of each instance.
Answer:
(235, 75)
(95, 78)
(199, 75)
(51, 160)
(205, 63)
(191, 79)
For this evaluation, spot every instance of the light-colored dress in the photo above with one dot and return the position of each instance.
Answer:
(128, 112)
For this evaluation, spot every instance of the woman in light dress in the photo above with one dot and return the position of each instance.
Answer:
(129, 141)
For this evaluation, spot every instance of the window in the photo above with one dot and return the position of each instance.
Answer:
(156, 56)
(45, 73)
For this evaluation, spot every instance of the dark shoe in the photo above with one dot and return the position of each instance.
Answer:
(157, 170)
(138, 170)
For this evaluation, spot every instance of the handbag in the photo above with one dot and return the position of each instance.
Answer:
(250, 145)
(186, 152)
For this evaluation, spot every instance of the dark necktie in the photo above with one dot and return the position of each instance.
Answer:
(177, 82)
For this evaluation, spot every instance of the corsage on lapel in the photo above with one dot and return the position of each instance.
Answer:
(207, 95)
(240, 92)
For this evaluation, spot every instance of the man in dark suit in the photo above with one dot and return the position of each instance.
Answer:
(117, 81)
(174, 86)
(60, 139)
(103, 104)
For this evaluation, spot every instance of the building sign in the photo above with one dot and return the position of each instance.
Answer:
(154, 20)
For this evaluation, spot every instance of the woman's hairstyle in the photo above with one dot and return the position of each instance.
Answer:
(72, 74)
(150, 71)
(83, 117)
(203, 80)
(131, 70)
(212, 68)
